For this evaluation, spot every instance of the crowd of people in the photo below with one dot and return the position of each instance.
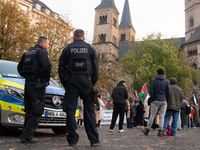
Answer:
(165, 108)
(167, 113)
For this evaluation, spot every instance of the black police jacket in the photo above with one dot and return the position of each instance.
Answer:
(44, 64)
(63, 63)
(119, 94)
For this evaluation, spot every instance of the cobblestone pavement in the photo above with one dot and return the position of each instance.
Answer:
(130, 139)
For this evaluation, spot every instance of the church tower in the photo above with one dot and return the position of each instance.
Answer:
(192, 14)
(126, 29)
(106, 30)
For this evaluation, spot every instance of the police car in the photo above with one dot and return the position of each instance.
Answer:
(12, 101)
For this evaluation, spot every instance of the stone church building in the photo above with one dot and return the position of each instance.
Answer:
(112, 37)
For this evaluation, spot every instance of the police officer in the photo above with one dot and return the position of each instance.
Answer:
(35, 67)
(78, 72)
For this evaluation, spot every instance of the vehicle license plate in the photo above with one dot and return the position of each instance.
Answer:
(55, 114)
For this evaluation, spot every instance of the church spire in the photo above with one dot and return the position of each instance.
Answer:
(126, 17)
(107, 3)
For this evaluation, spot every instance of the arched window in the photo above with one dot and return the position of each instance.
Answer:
(103, 19)
(123, 37)
(114, 22)
(102, 38)
(191, 22)
(100, 20)
(194, 52)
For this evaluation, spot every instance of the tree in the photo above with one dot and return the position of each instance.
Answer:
(107, 74)
(152, 53)
(15, 30)
(58, 32)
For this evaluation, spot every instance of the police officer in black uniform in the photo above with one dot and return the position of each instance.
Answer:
(35, 67)
(78, 72)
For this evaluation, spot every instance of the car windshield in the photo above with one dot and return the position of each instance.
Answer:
(9, 69)
(53, 82)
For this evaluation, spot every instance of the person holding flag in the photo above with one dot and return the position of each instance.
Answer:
(160, 95)
(196, 103)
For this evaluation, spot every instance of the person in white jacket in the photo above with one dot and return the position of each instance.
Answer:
(102, 105)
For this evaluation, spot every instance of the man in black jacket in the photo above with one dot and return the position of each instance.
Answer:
(119, 96)
(34, 66)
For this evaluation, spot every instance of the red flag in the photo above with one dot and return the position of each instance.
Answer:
(107, 105)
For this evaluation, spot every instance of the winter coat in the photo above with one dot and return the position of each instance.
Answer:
(128, 110)
(135, 110)
(176, 98)
(160, 89)
(196, 116)
(102, 105)
(80, 113)
(184, 116)
(131, 106)
(140, 109)
(119, 94)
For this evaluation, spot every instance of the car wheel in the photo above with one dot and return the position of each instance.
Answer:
(60, 130)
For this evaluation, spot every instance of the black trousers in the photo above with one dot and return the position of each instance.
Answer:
(119, 109)
(140, 120)
(83, 88)
(34, 108)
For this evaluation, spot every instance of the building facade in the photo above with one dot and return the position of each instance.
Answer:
(191, 47)
(108, 32)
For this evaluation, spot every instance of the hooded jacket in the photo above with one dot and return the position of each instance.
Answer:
(119, 94)
(160, 89)
(176, 96)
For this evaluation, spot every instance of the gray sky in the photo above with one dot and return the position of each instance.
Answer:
(148, 16)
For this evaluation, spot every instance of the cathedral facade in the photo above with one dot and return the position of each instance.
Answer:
(109, 34)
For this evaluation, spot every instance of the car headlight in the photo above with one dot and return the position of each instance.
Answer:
(18, 93)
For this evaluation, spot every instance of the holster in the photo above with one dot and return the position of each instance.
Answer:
(41, 84)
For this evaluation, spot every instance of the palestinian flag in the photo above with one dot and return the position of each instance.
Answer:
(112, 103)
(195, 98)
(107, 105)
(135, 94)
(144, 92)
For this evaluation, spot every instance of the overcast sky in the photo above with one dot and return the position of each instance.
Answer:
(148, 16)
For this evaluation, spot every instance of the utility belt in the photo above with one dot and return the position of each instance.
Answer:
(41, 83)
(32, 78)
(86, 77)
